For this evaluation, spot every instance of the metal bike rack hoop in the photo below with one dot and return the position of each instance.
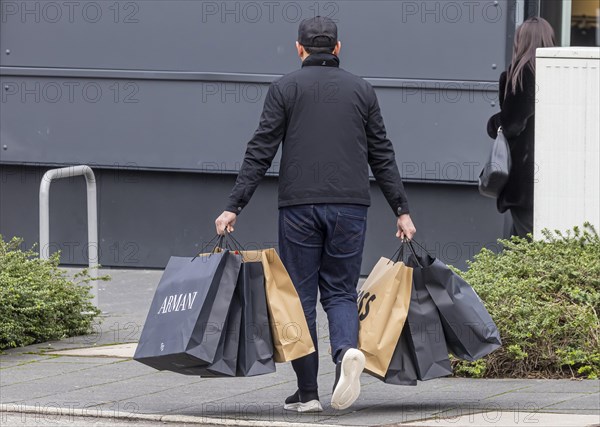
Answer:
(92, 216)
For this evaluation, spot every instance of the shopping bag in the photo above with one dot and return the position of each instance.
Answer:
(255, 350)
(246, 346)
(425, 335)
(402, 369)
(383, 306)
(289, 329)
(224, 363)
(421, 352)
(469, 329)
(187, 316)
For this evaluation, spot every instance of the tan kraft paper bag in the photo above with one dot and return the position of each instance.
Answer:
(382, 309)
(291, 337)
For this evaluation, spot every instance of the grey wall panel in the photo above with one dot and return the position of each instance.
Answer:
(145, 217)
(155, 124)
(438, 128)
(410, 39)
(438, 134)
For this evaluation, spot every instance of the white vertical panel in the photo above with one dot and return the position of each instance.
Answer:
(567, 146)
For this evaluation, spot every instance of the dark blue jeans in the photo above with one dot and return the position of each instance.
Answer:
(321, 246)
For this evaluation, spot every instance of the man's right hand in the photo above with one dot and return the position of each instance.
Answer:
(225, 221)
(406, 228)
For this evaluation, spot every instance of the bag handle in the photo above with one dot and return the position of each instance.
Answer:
(412, 249)
(236, 245)
(396, 253)
(422, 247)
(224, 240)
(399, 254)
(400, 251)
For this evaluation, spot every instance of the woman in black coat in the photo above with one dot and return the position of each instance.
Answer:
(517, 95)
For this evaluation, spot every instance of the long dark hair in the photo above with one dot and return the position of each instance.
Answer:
(533, 33)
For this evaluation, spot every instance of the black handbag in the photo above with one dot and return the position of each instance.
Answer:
(494, 175)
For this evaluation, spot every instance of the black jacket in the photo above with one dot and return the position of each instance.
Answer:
(331, 129)
(517, 119)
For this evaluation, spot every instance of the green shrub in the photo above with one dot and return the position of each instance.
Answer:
(38, 302)
(545, 298)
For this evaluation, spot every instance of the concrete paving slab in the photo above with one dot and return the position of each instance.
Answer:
(106, 396)
(57, 382)
(115, 350)
(83, 360)
(451, 396)
(563, 386)
(573, 411)
(265, 411)
(71, 388)
(67, 343)
(376, 393)
(11, 360)
(589, 402)
(510, 419)
(174, 397)
(31, 420)
(443, 388)
(464, 384)
(395, 411)
(517, 400)
(40, 370)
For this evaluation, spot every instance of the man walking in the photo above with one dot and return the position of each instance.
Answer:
(331, 130)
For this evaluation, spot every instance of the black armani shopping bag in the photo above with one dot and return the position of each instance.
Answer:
(188, 314)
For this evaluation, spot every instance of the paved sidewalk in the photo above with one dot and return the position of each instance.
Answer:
(34, 382)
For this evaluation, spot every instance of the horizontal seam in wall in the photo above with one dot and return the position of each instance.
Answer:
(485, 86)
(127, 169)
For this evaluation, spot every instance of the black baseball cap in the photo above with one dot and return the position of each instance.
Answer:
(319, 31)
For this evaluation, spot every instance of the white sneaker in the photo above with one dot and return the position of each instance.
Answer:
(347, 379)
(294, 403)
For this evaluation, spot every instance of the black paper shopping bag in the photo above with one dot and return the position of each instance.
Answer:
(255, 352)
(469, 329)
(188, 313)
(425, 334)
(402, 369)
